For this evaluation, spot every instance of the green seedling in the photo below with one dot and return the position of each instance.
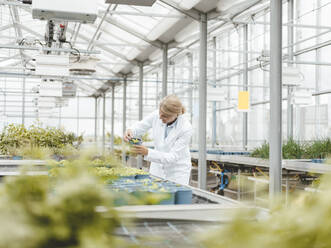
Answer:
(135, 141)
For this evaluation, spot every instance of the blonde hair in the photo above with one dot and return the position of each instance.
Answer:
(171, 105)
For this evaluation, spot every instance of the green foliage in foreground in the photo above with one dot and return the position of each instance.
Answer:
(39, 212)
(294, 150)
(304, 224)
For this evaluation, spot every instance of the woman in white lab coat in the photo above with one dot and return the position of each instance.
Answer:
(171, 133)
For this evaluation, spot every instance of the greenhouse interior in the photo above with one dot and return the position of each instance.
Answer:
(165, 123)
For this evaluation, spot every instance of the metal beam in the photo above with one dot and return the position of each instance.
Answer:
(215, 14)
(29, 75)
(75, 35)
(5, 27)
(202, 173)
(297, 53)
(193, 13)
(18, 30)
(29, 30)
(148, 14)
(129, 30)
(16, 20)
(107, 49)
(9, 58)
(323, 92)
(275, 186)
(66, 50)
(252, 104)
(289, 24)
(90, 44)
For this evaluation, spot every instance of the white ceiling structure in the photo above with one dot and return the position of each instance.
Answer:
(123, 36)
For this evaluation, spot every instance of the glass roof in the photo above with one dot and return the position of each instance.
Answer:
(122, 35)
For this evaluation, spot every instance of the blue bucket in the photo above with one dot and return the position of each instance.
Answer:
(183, 196)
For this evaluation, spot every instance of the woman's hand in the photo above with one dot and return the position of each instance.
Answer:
(128, 135)
(140, 150)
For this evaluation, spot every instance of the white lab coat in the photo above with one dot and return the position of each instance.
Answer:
(171, 158)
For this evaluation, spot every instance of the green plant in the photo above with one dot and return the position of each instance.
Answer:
(305, 223)
(35, 152)
(292, 150)
(39, 211)
(318, 149)
(17, 137)
(261, 152)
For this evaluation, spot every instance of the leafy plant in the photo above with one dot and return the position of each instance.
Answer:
(318, 149)
(305, 223)
(261, 152)
(15, 137)
(38, 212)
(35, 152)
(294, 150)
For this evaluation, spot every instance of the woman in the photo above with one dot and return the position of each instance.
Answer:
(171, 132)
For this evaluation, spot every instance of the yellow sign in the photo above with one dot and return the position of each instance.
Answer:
(243, 101)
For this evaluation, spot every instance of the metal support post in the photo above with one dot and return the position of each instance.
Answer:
(165, 71)
(290, 51)
(190, 60)
(214, 134)
(245, 82)
(157, 91)
(289, 113)
(141, 85)
(96, 120)
(112, 116)
(23, 102)
(124, 118)
(104, 123)
(275, 99)
(202, 174)
(318, 73)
